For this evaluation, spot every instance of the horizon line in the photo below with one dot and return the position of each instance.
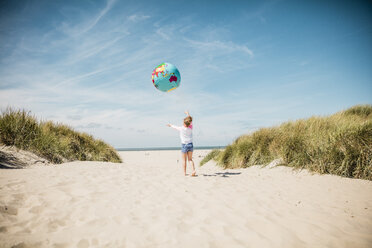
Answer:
(166, 148)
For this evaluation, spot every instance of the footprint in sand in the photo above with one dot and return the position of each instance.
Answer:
(18, 199)
(56, 224)
(61, 245)
(9, 210)
(36, 209)
(95, 242)
(24, 230)
(3, 229)
(84, 243)
(27, 245)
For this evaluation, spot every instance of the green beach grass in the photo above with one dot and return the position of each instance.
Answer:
(57, 143)
(340, 144)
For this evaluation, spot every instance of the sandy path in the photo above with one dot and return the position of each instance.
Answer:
(146, 202)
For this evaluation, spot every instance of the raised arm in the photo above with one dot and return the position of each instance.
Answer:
(187, 113)
(175, 127)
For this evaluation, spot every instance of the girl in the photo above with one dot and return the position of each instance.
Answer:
(186, 140)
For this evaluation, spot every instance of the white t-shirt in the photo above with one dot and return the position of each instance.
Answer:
(185, 133)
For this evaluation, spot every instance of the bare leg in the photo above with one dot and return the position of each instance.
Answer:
(189, 156)
(184, 162)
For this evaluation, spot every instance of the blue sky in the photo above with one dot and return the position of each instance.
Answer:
(243, 64)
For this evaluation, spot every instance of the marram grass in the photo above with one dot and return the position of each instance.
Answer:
(339, 144)
(56, 142)
(214, 153)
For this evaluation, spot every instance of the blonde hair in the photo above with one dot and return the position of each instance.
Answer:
(187, 121)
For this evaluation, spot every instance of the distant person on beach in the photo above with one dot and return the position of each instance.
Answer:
(186, 142)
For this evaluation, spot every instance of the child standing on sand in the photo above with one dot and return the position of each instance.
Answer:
(186, 140)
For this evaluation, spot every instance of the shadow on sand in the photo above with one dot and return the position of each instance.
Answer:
(8, 161)
(222, 174)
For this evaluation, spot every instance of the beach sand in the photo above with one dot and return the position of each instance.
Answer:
(147, 202)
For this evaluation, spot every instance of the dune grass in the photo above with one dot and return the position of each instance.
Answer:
(339, 144)
(56, 142)
(213, 154)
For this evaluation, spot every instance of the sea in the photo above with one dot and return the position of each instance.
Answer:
(169, 148)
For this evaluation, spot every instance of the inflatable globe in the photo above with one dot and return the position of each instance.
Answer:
(166, 77)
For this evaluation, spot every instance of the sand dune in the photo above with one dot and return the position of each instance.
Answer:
(14, 158)
(147, 202)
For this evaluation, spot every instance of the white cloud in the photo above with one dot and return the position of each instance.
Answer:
(138, 17)
(73, 29)
(93, 23)
(216, 45)
(162, 34)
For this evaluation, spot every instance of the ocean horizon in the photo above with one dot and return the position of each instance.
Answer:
(167, 148)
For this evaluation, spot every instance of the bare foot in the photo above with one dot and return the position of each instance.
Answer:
(193, 174)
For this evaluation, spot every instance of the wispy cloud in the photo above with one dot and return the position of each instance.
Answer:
(93, 23)
(74, 29)
(162, 33)
(138, 17)
(216, 45)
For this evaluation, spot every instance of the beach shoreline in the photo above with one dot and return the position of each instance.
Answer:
(147, 202)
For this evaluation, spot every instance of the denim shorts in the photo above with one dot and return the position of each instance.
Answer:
(187, 148)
